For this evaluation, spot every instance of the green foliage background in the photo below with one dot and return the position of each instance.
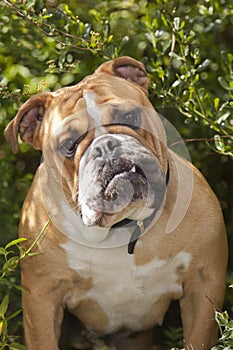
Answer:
(186, 46)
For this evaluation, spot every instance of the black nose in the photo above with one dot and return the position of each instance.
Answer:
(105, 146)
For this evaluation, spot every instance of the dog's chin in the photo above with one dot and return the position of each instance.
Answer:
(101, 219)
(92, 217)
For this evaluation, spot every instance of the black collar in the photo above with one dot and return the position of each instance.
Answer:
(140, 225)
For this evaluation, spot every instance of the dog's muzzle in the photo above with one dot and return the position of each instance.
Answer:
(117, 171)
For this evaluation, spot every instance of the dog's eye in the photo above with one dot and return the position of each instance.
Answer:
(131, 118)
(68, 147)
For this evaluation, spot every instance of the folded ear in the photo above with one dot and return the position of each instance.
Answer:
(27, 122)
(127, 68)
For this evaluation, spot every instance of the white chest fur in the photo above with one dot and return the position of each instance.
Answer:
(125, 291)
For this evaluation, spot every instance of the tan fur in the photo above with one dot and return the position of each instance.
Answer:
(194, 252)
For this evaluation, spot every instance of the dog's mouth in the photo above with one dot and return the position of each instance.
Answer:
(121, 176)
(116, 185)
(119, 184)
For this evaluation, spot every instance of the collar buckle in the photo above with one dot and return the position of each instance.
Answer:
(141, 226)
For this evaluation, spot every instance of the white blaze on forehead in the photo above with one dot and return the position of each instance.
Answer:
(94, 112)
(62, 125)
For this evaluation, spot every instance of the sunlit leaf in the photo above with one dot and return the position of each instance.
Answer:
(15, 242)
(218, 142)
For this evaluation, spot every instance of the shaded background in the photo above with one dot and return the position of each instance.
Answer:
(186, 47)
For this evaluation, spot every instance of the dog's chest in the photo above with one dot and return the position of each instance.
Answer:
(124, 291)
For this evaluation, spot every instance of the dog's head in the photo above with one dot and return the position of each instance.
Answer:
(105, 140)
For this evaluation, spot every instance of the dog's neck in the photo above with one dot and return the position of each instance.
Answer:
(140, 225)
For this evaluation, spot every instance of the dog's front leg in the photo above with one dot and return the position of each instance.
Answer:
(199, 327)
(202, 296)
(42, 320)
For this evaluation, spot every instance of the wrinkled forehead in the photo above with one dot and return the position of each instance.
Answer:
(101, 100)
(92, 112)
(109, 88)
(94, 98)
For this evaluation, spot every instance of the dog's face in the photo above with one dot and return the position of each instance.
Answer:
(102, 141)
(118, 176)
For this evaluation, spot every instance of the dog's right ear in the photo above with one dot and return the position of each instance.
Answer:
(27, 122)
(127, 68)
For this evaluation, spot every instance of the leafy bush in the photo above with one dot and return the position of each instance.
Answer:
(226, 330)
(9, 280)
(186, 47)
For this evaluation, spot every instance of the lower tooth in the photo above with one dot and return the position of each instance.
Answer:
(133, 170)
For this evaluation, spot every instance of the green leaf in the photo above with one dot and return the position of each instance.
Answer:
(186, 50)
(4, 306)
(15, 242)
(196, 53)
(2, 251)
(223, 117)
(17, 346)
(218, 143)
(176, 23)
(164, 20)
(19, 288)
(176, 83)
(30, 4)
(16, 313)
(224, 84)
(203, 65)
(11, 264)
(67, 10)
(3, 330)
(221, 317)
(230, 57)
(174, 55)
(216, 103)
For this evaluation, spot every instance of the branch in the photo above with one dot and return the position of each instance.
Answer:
(51, 34)
(212, 139)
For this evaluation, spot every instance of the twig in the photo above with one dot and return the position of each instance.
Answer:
(212, 139)
(50, 34)
(28, 251)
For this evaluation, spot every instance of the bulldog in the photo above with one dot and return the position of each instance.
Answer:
(130, 225)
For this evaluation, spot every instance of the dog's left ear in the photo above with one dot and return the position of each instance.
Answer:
(127, 68)
(27, 122)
